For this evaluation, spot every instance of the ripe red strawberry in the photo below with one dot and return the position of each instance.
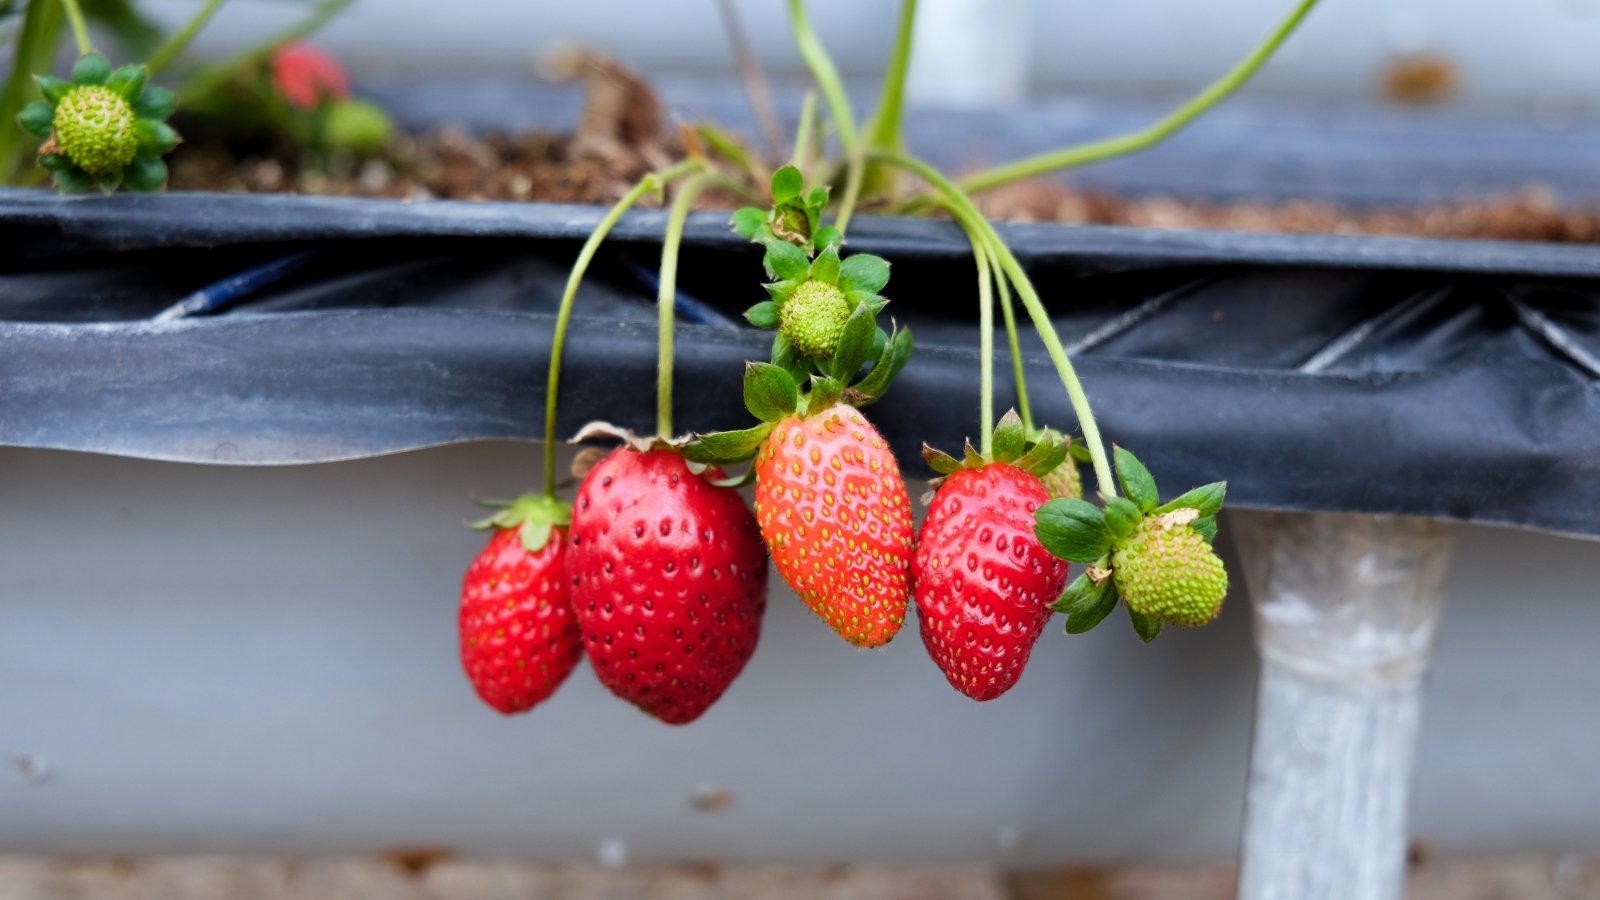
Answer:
(306, 76)
(984, 586)
(834, 511)
(668, 580)
(519, 639)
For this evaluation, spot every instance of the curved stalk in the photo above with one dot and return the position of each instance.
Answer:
(1151, 135)
(886, 121)
(985, 347)
(802, 135)
(80, 30)
(1007, 261)
(172, 46)
(855, 173)
(654, 182)
(666, 297)
(1018, 373)
(826, 75)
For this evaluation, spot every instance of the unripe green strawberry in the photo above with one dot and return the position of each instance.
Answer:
(1064, 481)
(813, 318)
(94, 127)
(1168, 572)
(356, 126)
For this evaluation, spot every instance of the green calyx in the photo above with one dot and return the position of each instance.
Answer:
(104, 128)
(795, 217)
(813, 317)
(1039, 455)
(1157, 558)
(533, 515)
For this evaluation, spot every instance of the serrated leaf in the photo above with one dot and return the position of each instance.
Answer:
(825, 392)
(855, 342)
(827, 236)
(1136, 480)
(155, 102)
(1206, 498)
(52, 88)
(763, 314)
(1010, 438)
(770, 393)
(1145, 627)
(145, 174)
(747, 222)
(1082, 594)
(37, 118)
(940, 461)
(786, 261)
(1206, 527)
(1073, 530)
(1122, 516)
(825, 267)
(726, 446)
(787, 183)
(866, 272)
(895, 354)
(91, 68)
(128, 81)
(1084, 620)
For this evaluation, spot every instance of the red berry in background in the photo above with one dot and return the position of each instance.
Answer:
(307, 76)
(835, 513)
(668, 580)
(519, 638)
(983, 584)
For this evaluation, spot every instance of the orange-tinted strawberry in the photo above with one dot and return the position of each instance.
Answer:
(834, 512)
(519, 639)
(668, 579)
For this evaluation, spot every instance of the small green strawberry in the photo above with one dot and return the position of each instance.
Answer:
(103, 128)
(1157, 558)
(813, 318)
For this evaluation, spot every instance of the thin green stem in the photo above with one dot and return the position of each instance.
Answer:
(985, 346)
(855, 173)
(652, 183)
(885, 133)
(80, 30)
(666, 298)
(208, 79)
(172, 46)
(802, 136)
(1151, 135)
(968, 213)
(826, 75)
(1018, 370)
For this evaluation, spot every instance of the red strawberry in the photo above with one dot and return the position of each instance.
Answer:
(834, 511)
(307, 76)
(668, 580)
(519, 639)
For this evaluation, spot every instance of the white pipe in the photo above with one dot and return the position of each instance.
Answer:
(1345, 609)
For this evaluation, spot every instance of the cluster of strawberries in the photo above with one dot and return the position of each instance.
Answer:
(658, 570)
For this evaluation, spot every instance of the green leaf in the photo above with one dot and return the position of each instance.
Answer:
(817, 198)
(787, 183)
(727, 446)
(770, 393)
(155, 102)
(1084, 620)
(109, 183)
(825, 392)
(138, 36)
(1136, 480)
(1045, 455)
(1082, 594)
(1144, 626)
(748, 221)
(827, 236)
(128, 81)
(940, 461)
(1073, 530)
(535, 533)
(1206, 527)
(1010, 438)
(1207, 499)
(52, 88)
(145, 174)
(855, 342)
(786, 261)
(866, 272)
(826, 267)
(893, 359)
(857, 298)
(91, 68)
(155, 138)
(763, 314)
(54, 162)
(880, 340)
(1122, 516)
(786, 356)
(37, 118)
(74, 181)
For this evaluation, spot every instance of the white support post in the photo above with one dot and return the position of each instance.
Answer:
(1345, 608)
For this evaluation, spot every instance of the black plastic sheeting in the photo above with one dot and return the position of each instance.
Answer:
(1440, 379)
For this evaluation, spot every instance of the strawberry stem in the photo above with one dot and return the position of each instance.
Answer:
(802, 135)
(886, 122)
(825, 74)
(80, 31)
(666, 297)
(968, 214)
(1018, 373)
(174, 45)
(985, 346)
(651, 183)
(1150, 135)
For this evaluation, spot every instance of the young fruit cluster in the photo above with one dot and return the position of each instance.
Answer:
(103, 128)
